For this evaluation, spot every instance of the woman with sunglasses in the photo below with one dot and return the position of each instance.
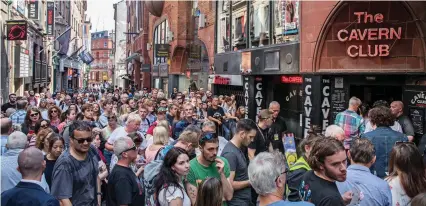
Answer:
(407, 176)
(54, 115)
(169, 184)
(56, 147)
(28, 127)
(70, 115)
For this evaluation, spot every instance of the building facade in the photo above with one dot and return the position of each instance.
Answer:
(371, 50)
(102, 67)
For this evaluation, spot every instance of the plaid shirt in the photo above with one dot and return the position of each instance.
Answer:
(352, 124)
(18, 117)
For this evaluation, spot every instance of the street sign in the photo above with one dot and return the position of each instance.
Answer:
(50, 18)
(16, 30)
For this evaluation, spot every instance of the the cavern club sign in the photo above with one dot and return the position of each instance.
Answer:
(419, 99)
(16, 30)
(371, 34)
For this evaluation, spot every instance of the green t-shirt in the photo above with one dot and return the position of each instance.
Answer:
(198, 173)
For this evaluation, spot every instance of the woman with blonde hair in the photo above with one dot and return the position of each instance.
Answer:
(160, 140)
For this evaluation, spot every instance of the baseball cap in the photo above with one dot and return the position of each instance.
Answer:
(162, 109)
(265, 114)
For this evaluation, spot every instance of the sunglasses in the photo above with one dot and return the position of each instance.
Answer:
(285, 172)
(132, 148)
(207, 137)
(44, 126)
(81, 141)
(34, 114)
(54, 111)
(112, 118)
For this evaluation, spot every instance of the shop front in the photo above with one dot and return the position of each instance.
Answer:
(371, 50)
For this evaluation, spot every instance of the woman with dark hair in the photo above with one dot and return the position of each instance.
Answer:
(210, 193)
(382, 137)
(240, 113)
(28, 127)
(419, 200)
(169, 184)
(96, 112)
(54, 114)
(44, 123)
(407, 176)
(56, 147)
(69, 116)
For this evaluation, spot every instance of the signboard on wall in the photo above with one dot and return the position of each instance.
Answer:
(162, 50)
(50, 18)
(33, 9)
(163, 70)
(415, 102)
(16, 30)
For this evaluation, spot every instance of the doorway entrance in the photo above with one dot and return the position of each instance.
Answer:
(371, 93)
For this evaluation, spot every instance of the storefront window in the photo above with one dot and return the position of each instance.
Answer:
(160, 37)
(259, 22)
(239, 23)
(223, 31)
(286, 14)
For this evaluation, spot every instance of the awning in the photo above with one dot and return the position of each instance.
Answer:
(131, 57)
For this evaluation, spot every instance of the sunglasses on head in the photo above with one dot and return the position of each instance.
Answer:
(132, 148)
(34, 114)
(207, 137)
(81, 141)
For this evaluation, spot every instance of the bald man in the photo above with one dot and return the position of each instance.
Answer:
(29, 191)
(5, 130)
(397, 108)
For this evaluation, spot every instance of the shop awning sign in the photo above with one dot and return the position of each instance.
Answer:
(16, 30)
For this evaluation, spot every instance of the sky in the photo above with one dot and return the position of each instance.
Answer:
(101, 13)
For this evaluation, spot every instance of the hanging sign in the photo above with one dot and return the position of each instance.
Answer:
(50, 17)
(16, 30)
(33, 9)
(162, 50)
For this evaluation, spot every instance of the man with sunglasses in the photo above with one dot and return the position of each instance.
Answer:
(245, 133)
(267, 175)
(208, 164)
(75, 175)
(123, 185)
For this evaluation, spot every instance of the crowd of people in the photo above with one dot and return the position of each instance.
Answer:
(118, 147)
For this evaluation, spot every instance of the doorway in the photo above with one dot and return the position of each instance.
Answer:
(371, 93)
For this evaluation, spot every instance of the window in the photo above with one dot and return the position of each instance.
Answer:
(160, 37)
(105, 44)
(259, 16)
(223, 29)
(286, 21)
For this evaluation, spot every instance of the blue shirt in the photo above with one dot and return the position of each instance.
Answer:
(3, 140)
(373, 190)
(287, 203)
(18, 117)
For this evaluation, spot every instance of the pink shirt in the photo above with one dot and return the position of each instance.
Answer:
(150, 154)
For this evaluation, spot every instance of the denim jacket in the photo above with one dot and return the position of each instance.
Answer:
(383, 139)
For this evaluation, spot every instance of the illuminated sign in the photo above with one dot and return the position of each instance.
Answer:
(291, 79)
(16, 30)
(50, 17)
(222, 80)
(370, 34)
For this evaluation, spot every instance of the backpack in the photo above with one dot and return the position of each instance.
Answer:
(150, 173)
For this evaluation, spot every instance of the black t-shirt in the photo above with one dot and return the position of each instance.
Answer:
(320, 192)
(49, 170)
(8, 105)
(276, 134)
(260, 141)
(407, 126)
(216, 113)
(237, 163)
(124, 188)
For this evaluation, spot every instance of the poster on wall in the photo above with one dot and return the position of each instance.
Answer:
(290, 18)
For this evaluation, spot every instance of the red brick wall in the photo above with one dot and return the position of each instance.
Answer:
(206, 34)
(323, 52)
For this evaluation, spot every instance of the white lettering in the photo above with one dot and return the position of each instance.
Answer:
(308, 90)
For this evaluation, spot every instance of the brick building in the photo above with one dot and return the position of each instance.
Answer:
(102, 67)
(373, 50)
(170, 43)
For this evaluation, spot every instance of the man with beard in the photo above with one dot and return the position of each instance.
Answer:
(245, 133)
(10, 104)
(208, 164)
(267, 173)
(75, 175)
(87, 110)
(186, 121)
(261, 142)
(328, 162)
(124, 187)
(171, 114)
(216, 114)
(145, 123)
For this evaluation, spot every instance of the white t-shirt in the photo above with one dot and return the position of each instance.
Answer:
(119, 132)
(172, 194)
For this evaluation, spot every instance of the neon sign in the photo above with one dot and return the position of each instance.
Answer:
(16, 30)
(291, 79)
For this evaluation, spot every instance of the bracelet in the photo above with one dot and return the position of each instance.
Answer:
(99, 193)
